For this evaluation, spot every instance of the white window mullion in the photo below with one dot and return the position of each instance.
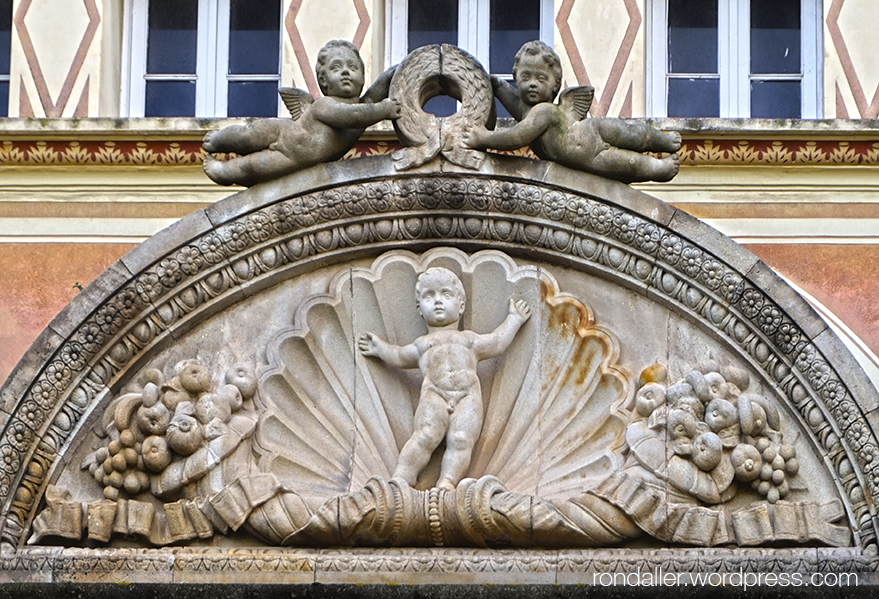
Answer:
(473, 28)
(657, 62)
(467, 27)
(733, 34)
(219, 67)
(743, 73)
(547, 22)
(397, 31)
(135, 31)
(204, 74)
(811, 53)
(481, 48)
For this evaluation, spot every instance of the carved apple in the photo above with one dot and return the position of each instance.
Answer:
(650, 397)
(747, 462)
(213, 405)
(194, 377)
(156, 455)
(242, 377)
(707, 451)
(184, 434)
(153, 420)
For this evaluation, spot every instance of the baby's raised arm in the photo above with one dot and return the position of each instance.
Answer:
(495, 343)
(405, 356)
(519, 135)
(340, 115)
(508, 96)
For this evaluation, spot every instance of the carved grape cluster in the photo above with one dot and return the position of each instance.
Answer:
(767, 464)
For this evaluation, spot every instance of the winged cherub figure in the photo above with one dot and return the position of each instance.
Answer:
(321, 130)
(561, 132)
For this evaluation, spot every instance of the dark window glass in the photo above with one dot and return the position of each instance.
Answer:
(441, 106)
(172, 43)
(503, 113)
(253, 98)
(512, 23)
(776, 99)
(692, 36)
(254, 37)
(170, 98)
(4, 98)
(5, 37)
(433, 22)
(693, 97)
(775, 36)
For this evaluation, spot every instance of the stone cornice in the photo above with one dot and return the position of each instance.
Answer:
(422, 566)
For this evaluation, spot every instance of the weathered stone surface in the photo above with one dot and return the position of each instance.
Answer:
(320, 130)
(612, 148)
(287, 287)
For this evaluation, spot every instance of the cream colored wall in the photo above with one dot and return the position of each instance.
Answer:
(851, 78)
(602, 43)
(55, 62)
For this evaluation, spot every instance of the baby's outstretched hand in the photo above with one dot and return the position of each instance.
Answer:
(393, 106)
(475, 138)
(368, 344)
(520, 309)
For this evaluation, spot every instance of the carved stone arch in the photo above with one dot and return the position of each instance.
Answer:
(216, 258)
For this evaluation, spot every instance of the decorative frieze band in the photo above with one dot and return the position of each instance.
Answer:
(433, 566)
(702, 152)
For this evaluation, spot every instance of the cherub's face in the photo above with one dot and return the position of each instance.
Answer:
(439, 302)
(342, 74)
(535, 80)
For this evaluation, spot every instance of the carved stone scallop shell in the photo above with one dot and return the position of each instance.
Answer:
(334, 418)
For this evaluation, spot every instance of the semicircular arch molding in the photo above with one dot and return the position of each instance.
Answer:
(332, 213)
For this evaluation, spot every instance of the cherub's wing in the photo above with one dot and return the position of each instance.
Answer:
(296, 100)
(577, 100)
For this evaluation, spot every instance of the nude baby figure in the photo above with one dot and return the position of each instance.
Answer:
(450, 405)
(561, 132)
(321, 130)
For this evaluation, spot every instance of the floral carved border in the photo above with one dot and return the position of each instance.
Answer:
(515, 213)
(187, 152)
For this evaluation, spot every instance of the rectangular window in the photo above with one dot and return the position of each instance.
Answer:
(203, 58)
(5, 46)
(776, 64)
(172, 47)
(693, 77)
(734, 58)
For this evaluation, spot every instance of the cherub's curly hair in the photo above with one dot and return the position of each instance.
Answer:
(321, 64)
(538, 48)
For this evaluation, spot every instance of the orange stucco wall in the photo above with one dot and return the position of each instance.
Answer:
(37, 281)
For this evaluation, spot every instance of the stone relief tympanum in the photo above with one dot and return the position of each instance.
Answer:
(563, 447)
